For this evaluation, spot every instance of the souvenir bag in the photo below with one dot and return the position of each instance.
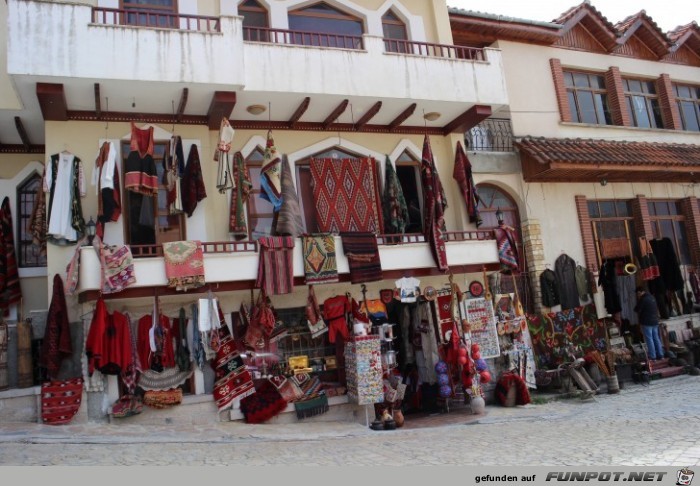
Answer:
(262, 322)
(317, 326)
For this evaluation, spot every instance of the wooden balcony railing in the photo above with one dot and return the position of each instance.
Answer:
(150, 18)
(209, 247)
(473, 235)
(302, 38)
(400, 46)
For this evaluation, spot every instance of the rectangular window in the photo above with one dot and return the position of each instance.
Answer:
(588, 98)
(667, 221)
(642, 103)
(613, 229)
(151, 13)
(688, 99)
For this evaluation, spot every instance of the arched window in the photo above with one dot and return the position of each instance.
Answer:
(260, 211)
(408, 172)
(324, 19)
(395, 34)
(255, 21)
(29, 254)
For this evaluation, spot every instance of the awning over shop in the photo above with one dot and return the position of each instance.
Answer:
(586, 160)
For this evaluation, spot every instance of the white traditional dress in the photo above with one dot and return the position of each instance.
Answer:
(64, 204)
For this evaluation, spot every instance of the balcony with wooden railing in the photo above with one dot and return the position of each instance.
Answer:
(445, 51)
(302, 38)
(234, 265)
(155, 18)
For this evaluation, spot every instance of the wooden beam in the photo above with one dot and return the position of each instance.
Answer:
(98, 106)
(335, 114)
(368, 116)
(22, 133)
(299, 112)
(21, 149)
(221, 106)
(52, 101)
(470, 118)
(183, 103)
(402, 117)
(124, 116)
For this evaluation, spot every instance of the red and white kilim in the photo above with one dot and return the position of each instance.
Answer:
(60, 400)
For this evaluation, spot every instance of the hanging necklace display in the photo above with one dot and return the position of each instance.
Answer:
(224, 178)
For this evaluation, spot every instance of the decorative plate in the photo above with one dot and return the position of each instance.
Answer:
(430, 293)
(476, 289)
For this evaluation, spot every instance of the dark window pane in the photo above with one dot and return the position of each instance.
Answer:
(260, 227)
(593, 210)
(572, 106)
(662, 208)
(649, 87)
(689, 115)
(674, 208)
(601, 108)
(568, 80)
(393, 31)
(325, 25)
(585, 102)
(607, 209)
(656, 110)
(597, 82)
(682, 239)
(623, 208)
(580, 80)
(682, 91)
(634, 86)
(408, 179)
(652, 208)
(255, 19)
(306, 196)
(666, 226)
(630, 109)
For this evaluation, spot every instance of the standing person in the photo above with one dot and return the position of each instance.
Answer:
(649, 320)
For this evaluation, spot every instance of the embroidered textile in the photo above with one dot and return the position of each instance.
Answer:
(313, 401)
(184, 264)
(276, 267)
(289, 216)
(108, 345)
(264, 404)
(222, 155)
(10, 290)
(553, 332)
(462, 173)
(314, 317)
(507, 248)
(60, 400)
(167, 379)
(362, 253)
(346, 195)
(233, 381)
(37, 222)
(117, 267)
(162, 398)
(57, 343)
(163, 356)
(270, 175)
(105, 176)
(287, 387)
(434, 205)
(174, 164)
(237, 225)
(131, 373)
(64, 182)
(4, 337)
(192, 185)
(320, 265)
(140, 174)
(393, 202)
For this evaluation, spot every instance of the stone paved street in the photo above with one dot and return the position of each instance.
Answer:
(655, 425)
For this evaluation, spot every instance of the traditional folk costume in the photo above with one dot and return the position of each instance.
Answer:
(238, 226)
(106, 177)
(10, 290)
(174, 164)
(393, 202)
(140, 168)
(65, 184)
(271, 175)
(222, 155)
(435, 203)
(192, 184)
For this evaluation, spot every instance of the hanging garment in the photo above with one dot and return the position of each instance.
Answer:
(10, 290)
(320, 264)
(393, 202)
(362, 253)
(198, 351)
(288, 220)
(163, 356)
(237, 226)
(4, 338)
(434, 205)
(346, 195)
(565, 270)
(131, 373)
(174, 164)
(65, 184)
(626, 290)
(649, 268)
(270, 175)
(583, 284)
(429, 356)
(105, 176)
(607, 280)
(668, 263)
(57, 341)
(276, 265)
(462, 173)
(508, 255)
(548, 287)
(37, 223)
(192, 187)
(334, 311)
(140, 174)
(224, 177)
(314, 319)
(184, 264)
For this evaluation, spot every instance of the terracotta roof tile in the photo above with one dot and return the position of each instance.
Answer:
(566, 16)
(680, 31)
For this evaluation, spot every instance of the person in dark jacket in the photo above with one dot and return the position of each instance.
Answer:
(649, 320)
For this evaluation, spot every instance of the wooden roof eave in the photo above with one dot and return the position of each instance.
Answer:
(504, 30)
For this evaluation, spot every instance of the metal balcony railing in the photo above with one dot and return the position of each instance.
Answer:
(400, 46)
(491, 135)
(150, 18)
(302, 38)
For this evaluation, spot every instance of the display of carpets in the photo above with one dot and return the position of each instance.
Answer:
(233, 381)
(184, 264)
(320, 264)
(362, 253)
(314, 400)
(346, 195)
(117, 267)
(60, 400)
(557, 335)
(276, 266)
(363, 368)
(434, 204)
(264, 404)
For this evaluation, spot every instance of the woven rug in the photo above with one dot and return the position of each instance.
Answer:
(60, 400)
(264, 404)
(233, 381)
(346, 193)
(276, 266)
(314, 400)
(362, 253)
(320, 265)
(289, 217)
(117, 268)
(184, 264)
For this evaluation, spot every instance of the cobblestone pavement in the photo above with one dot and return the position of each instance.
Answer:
(656, 425)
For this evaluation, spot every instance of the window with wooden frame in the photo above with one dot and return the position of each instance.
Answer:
(668, 221)
(318, 19)
(408, 173)
(688, 99)
(255, 21)
(642, 103)
(613, 229)
(588, 98)
(260, 211)
(147, 220)
(395, 33)
(151, 13)
(28, 253)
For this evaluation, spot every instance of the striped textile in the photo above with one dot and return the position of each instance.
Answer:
(435, 204)
(10, 291)
(320, 265)
(60, 400)
(276, 267)
(362, 253)
(289, 216)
